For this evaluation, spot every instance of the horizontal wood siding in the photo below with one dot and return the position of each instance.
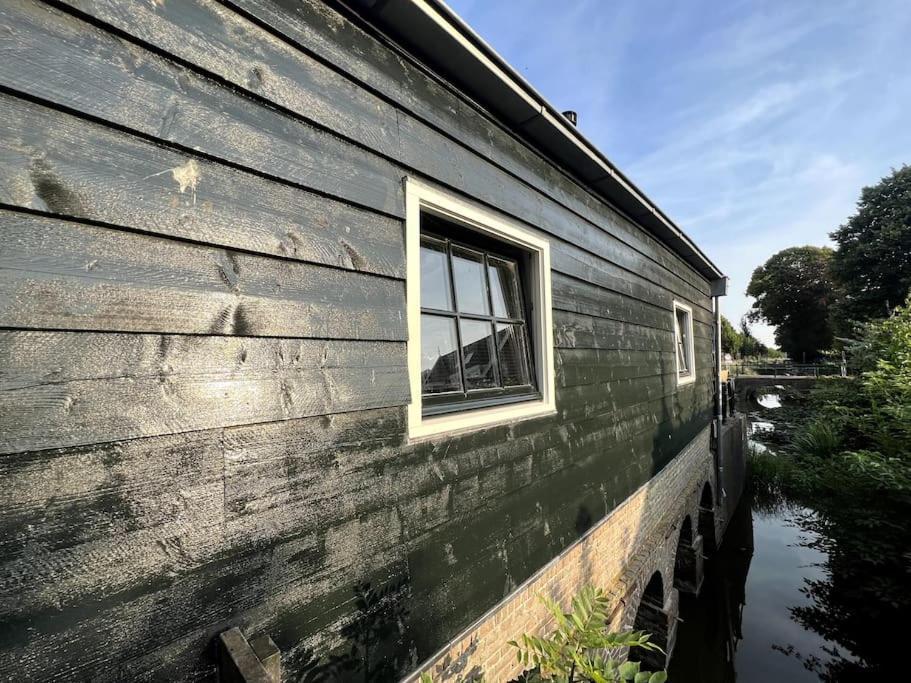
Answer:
(202, 347)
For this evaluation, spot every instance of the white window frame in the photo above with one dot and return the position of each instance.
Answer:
(690, 377)
(422, 197)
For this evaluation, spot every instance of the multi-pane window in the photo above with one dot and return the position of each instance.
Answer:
(683, 328)
(475, 348)
(480, 320)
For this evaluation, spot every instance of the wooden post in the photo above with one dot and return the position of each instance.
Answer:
(240, 661)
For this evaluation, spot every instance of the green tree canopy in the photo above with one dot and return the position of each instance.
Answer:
(872, 264)
(750, 346)
(740, 343)
(793, 291)
(731, 339)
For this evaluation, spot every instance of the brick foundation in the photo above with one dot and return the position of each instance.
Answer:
(620, 554)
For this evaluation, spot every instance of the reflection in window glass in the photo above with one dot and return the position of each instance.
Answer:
(513, 356)
(439, 355)
(435, 289)
(477, 349)
(471, 290)
(504, 290)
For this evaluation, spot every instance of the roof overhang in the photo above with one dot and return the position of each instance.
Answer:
(445, 42)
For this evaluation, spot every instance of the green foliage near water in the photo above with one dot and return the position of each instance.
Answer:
(856, 432)
(846, 456)
(577, 649)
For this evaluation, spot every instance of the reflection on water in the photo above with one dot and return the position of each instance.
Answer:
(741, 627)
(759, 426)
(799, 593)
(770, 400)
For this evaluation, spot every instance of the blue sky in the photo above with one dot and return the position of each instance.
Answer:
(754, 125)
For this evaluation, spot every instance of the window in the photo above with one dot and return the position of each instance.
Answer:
(683, 332)
(479, 321)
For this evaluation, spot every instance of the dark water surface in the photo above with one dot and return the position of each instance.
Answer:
(770, 600)
(741, 626)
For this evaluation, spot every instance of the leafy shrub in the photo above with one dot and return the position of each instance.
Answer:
(577, 650)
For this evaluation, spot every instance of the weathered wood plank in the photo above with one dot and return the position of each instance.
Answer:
(102, 387)
(65, 165)
(59, 498)
(580, 331)
(600, 298)
(46, 51)
(484, 548)
(604, 273)
(593, 366)
(68, 642)
(223, 43)
(315, 28)
(56, 274)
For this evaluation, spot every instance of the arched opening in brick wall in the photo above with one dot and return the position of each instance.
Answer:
(706, 522)
(651, 618)
(687, 560)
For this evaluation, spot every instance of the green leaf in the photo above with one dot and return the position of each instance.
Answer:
(658, 677)
(628, 670)
(642, 677)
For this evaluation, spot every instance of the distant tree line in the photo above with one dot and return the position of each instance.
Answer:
(740, 343)
(816, 297)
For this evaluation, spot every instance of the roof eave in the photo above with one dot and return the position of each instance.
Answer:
(448, 44)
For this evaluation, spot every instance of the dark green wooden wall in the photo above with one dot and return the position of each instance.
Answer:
(202, 347)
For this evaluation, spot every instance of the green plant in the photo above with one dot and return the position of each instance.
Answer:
(577, 649)
(818, 439)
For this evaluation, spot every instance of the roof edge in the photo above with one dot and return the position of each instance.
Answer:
(441, 37)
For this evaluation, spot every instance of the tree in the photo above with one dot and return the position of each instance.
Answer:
(872, 264)
(793, 291)
(731, 339)
(750, 346)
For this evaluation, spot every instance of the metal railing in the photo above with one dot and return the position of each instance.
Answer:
(786, 369)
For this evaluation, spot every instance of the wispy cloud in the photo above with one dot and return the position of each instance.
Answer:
(753, 124)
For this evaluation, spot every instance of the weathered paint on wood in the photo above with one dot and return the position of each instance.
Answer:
(61, 164)
(101, 387)
(56, 274)
(352, 112)
(190, 191)
(46, 52)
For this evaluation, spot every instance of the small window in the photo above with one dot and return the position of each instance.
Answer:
(683, 333)
(480, 338)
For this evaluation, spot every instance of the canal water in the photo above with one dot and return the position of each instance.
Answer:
(762, 613)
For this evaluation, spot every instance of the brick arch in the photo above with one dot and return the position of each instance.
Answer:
(652, 618)
(688, 558)
(706, 518)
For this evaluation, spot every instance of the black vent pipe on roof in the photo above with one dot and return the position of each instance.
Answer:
(571, 116)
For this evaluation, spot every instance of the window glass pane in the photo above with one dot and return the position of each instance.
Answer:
(683, 364)
(435, 289)
(471, 290)
(513, 354)
(439, 355)
(504, 288)
(477, 349)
